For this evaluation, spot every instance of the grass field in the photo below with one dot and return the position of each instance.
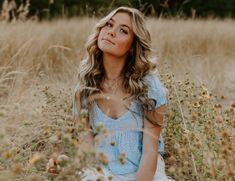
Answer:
(38, 68)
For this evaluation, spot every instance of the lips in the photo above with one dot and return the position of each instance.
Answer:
(107, 40)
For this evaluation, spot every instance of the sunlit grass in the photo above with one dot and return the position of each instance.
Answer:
(38, 67)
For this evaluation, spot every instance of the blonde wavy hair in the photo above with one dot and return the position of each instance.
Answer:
(138, 64)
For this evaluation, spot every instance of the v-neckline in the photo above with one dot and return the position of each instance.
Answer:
(101, 111)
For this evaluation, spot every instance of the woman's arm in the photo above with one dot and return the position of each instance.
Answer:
(86, 136)
(87, 140)
(148, 163)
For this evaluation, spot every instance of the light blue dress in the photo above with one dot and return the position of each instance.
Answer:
(125, 134)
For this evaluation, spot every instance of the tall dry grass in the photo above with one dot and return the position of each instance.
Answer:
(38, 63)
(205, 49)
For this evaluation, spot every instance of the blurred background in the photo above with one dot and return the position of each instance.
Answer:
(49, 9)
(194, 33)
(41, 46)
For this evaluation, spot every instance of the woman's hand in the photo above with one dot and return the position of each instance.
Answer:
(151, 133)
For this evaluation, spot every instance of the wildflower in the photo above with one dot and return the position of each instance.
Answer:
(171, 160)
(186, 163)
(196, 105)
(187, 82)
(206, 129)
(217, 106)
(186, 131)
(233, 105)
(62, 159)
(168, 80)
(176, 146)
(60, 122)
(99, 127)
(225, 134)
(8, 154)
(103, 158)
(219, 119)
(112, 143)
(182, 151)
(233, 123)
(67, 137)
(231, 173)
(231, 110)
(105, 133)
(110, 177)
(122, 157)
(99, 169)
(222, 97)
(180, 83)
(46, 130)
(194, 115)
(223, 142)
(84, 113)
(35, 158)
(205, 94)
(100, 178)
(226, 152)
(52, 167)
(197, 145)
(68, 129)
(171, 170)
(97, 140)
(83, 121)
(53, 139)
(18, 169)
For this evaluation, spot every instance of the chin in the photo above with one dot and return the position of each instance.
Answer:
(106, 49)
(109, 50)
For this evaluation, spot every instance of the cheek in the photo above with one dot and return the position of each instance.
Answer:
(125, 44)
(100, 37)
(103, 31)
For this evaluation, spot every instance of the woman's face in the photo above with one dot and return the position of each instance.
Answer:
(116, 36)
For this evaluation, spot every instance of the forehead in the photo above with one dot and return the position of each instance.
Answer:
(122, 18)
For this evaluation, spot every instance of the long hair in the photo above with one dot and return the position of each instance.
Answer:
(138, 62)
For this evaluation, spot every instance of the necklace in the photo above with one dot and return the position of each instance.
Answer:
(112, 84)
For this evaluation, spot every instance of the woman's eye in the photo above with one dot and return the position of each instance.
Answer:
(123, 31)
(109, 24)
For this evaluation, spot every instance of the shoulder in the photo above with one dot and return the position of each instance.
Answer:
(152, 79)
(156, 89)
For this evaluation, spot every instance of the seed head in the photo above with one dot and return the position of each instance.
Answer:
(122, 158)
(100, 178)
(112, 143)
(37, 157)
(103, 158)
(99, 169)
(110, 177)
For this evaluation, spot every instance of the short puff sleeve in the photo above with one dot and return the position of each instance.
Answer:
(156, 90)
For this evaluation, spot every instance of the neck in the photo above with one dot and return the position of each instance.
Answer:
(113, 66)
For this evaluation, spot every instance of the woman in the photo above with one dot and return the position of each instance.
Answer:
(124, 98)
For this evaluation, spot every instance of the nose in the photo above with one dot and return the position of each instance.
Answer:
(111, 32)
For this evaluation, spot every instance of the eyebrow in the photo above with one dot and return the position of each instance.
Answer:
(121, 24)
